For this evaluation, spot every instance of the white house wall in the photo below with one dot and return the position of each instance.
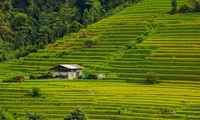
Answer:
(71, 75)
(60, 73)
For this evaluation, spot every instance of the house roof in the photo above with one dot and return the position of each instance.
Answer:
(69, 66)
(74, 66)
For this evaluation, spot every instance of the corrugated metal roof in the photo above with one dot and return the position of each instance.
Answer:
(68, 66)
(73, 66)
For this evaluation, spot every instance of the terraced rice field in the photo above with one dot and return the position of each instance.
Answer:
(167, 41)
(171, 50)
(103, 100)
(112, 35)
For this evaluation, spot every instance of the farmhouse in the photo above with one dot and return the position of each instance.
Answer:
(67, 71)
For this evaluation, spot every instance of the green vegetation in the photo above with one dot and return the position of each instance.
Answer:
(128, 44)
(168, 111)
(34, 116)
(174, 6)
(35, 92)
(185, 8)
(89, 43)
(197, 6)
(4, 115)
(143, 37)
(14, 79)
(77, 114)
(36, 23)
(151, 78)
(104, 99)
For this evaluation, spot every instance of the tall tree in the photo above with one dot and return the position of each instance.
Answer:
(197, 6)
(67, 13)
(95, 9)
(87, 17)
(46, 35)
(174, 6)
(5, 28)
(25, 29)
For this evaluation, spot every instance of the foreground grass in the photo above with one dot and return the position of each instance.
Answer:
(116, 100)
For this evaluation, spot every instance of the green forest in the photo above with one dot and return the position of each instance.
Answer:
(28, 25)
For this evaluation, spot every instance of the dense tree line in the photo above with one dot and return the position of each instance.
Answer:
(26, 25)
(193, 8)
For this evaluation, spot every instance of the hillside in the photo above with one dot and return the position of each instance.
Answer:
(126, 46)
(170, 40)
(29, 25)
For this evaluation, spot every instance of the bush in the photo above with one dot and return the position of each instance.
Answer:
(14, 79)
(77, 114)
(83, 34)
(35, 92)
(4, 115)
(29, 49)
(131, 45)
(45, 76)
(197, 6)
(2, 56)
(75, 26)
(88, 76)
(185, 9)
(167, 111)
(89, 43)
(151, 78)
(34, 116)
(140, 39)
(174, 7)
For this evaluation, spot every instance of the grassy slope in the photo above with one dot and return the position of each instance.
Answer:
(171, 50)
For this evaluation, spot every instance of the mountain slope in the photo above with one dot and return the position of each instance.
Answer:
(113, 50)
(166, 44)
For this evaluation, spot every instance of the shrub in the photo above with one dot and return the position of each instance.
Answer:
(174, 7)
(140, 39)
(41, 45)
(75, 26)
(151, 78)
(77, 114)
(45, 76)
(131, 45)
(18, 78)
(14, 79)
(185, 9)
(4, 115)
(168, 111)
(33, 77)
(197, 6)
(83, 34)
(2, 56)
(31, 49)
(88, 76)
(89, 43)
(119, 111)
(34, 116)
(35, 92)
